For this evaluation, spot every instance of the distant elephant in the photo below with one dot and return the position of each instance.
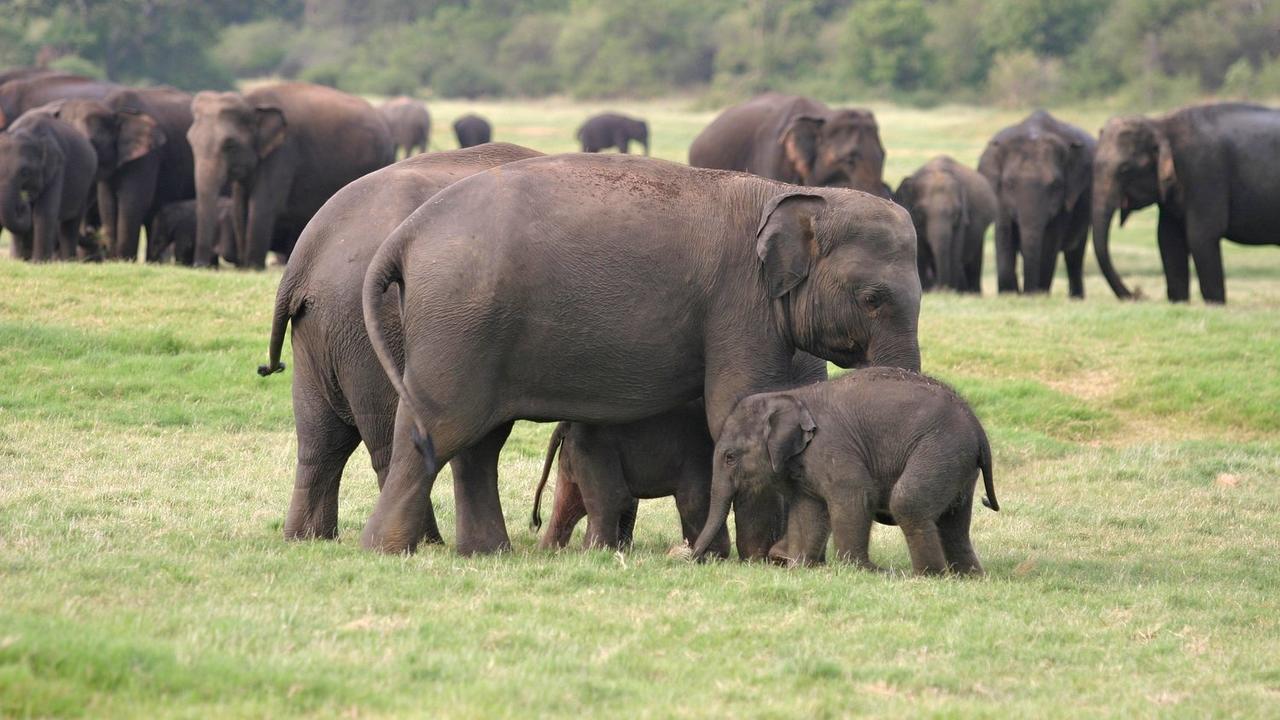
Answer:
(24, 73)
(1041, 171)
(285, 149)
(46, 174)
(340, 395)
(952, 206)
(173, 233)
(873, 442)
(144, 159)
(613, 130)
(30, 91)
(409, 122)
(1211, 169)
(797, 140)
(472, 130)
(610, 288)
(604, 469)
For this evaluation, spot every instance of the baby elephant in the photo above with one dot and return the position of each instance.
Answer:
(878, 443)
(604, 469)
(173, 233)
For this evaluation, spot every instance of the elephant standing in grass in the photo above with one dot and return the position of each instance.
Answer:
(608, 130)
(797, 140)
(952, 206)
(285, 150)
(173, 233)
(409, 123)
(341, 397)
(472, 130)
(1212, 170)
(1041, 171)
(610, 288)
(46, 173)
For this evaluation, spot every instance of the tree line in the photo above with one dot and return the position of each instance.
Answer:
(1015, 52)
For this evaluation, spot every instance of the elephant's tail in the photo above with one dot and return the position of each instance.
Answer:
(984, 463)
(557, 438)
(287, 305)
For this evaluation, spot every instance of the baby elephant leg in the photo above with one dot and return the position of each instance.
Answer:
(808, 529)
(953, 527)
(851, 513)
(921, 495)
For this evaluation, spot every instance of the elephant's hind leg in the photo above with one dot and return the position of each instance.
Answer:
(481, 527)
(325, 443)
(918, 499)
(953, 528)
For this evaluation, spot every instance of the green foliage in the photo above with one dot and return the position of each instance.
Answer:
(78, 66)
(254, 48)
(886, 44)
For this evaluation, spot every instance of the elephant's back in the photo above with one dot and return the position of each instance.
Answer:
(746, 137)
(333, 119)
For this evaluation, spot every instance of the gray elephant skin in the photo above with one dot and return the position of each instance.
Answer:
(1212, 172)
(611, 288)
(952, 206)
(409, 123)
(29, 91)
(875, 442)
(472, 130)
(797, 140)
(612, 130)
(341, 397)
(285, 150)
(46, 174)
(1041, 171)
(173, 233)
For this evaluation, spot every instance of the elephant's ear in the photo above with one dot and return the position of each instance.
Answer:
(905, 195)
(786, 241)
(51, 159)
(800, 145)
(271, 130)
(1166, 175)
(790, 428)
(138, 136)
(989, 165)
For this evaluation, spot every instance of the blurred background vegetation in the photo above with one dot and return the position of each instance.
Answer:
(1011, 52)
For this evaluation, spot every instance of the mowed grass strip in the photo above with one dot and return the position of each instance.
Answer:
(145, 470)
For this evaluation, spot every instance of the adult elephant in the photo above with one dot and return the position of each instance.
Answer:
(1041, 171)
(472, 130)
(341, 397)
(144, 159)
(797, 140)
(952, 206)
(409, 122)
(33, 90)
(285, 149)
(608, 130)
(46, 172)
(609, 288)
(1211, 170)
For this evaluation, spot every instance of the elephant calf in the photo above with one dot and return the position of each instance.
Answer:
(604, 469)
(951, 207)
(173, 233)
(878, 443)
(46, 173)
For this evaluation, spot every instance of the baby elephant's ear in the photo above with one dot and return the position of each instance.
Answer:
(790, 428)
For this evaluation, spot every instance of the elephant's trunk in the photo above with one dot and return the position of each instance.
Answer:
(900, 352)
(717, 513)
(946, 260)
(1034, 275)
(211, 175)
(1103, 210)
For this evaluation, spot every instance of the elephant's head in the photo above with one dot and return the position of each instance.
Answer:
(842, 149)
(759, 439)
(841, 268)
(229, 137)
(118, 136)
(939, 208)
(29, 161)
(1133, 168)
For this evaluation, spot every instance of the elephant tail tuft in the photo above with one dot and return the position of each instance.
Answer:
(984, 463)
(557, 438)
(287, 306)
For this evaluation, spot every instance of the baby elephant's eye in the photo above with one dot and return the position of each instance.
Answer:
(730, 458)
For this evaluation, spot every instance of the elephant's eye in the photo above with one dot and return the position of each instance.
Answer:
(871, 299)
(730, 458)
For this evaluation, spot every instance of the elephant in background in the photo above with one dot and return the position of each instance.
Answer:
(952, 206)
(285, 149)
(144, 159)
(613, 130)
(341, 397)
(409, 123)
(472, 130)
(1212, 172)
(610, 288)
(797, 140)
(173, 233)
(46, 173)
(1041, 171)
(30, 91)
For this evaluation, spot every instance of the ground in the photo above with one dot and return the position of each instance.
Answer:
(145, 469)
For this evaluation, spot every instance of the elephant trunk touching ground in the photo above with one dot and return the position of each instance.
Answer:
(211, 176)
(722, 493)
(1106, 200)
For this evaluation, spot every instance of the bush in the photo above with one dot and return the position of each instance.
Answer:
(1020, 79)
(254, 49)
(78, 66)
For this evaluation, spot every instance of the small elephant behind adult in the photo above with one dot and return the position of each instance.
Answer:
(173, 233)
(409, 122)
(612, 130)
(46, 174)
(605, 469)
(874, 442)
(472, 130)
(951, 206)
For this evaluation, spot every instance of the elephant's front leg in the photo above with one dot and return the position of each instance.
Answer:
(1174, 258)
(1075, 269)
(850, 507)
(107, 215)
(1006, 256)
(808, 529)
(266, 203)
(1205, 241)
(134, 194)
(44, 222)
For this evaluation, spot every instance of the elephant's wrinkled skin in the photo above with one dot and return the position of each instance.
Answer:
(472, 130)
(46, 173)
(878, 441)
(952, 206)
(285, 150)
(796, 140)
(611, 130)
(409, 123)
(610, 288)
(341, 396)
(1212, 172)
(1041, 171)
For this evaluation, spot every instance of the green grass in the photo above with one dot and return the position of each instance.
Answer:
(145, 470)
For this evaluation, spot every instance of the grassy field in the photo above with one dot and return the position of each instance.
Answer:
(145, 469)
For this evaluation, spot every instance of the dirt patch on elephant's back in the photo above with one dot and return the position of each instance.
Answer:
(1087, 385)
